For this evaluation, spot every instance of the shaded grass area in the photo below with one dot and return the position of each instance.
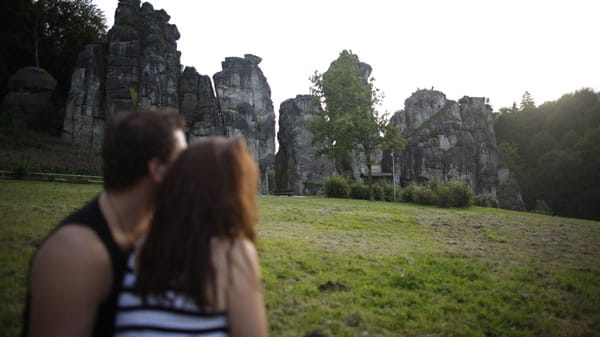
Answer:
(26, 151)
(359, 268)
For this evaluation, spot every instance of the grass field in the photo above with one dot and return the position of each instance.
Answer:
(358, 268)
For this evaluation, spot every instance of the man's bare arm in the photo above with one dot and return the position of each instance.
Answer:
(70, 276)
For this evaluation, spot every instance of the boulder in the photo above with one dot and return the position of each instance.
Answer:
(28, 104)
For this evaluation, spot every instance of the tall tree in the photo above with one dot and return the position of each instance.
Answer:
(63, 28)
(349, 120)
(527, 101)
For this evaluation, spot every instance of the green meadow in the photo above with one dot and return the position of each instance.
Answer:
(357, 268)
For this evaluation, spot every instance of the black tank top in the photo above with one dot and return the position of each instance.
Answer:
(90, 216)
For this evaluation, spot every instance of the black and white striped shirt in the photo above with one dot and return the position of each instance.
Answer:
(170, 315)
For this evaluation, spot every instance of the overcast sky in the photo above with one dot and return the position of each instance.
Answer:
(495, 49)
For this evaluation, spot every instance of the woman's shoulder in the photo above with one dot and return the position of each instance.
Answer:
(238, 256)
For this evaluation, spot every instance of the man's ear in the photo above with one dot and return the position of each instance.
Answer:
(156, 170)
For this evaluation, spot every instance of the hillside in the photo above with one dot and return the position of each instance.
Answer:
(348, 268)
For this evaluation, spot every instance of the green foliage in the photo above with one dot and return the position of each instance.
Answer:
(336, 187)
(387, 190)
(484, 201)
(553, 151)
(542, 207)
(349, 120)
(424, 195)
(49, 34)
(359, 191)
(407, 194)
(454, 193)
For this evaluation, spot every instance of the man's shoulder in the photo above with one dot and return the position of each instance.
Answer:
(76, 243)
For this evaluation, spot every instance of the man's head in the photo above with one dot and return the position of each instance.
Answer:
(137, 143)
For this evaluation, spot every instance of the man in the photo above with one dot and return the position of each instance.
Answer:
(76, 273)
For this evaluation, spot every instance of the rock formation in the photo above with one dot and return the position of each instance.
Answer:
(453, 140)
(297, 170)
(29, 100)
(197, 102)
(137, 68)
(245, 101)
(84, 118)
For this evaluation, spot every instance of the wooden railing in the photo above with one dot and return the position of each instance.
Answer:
(45, 176)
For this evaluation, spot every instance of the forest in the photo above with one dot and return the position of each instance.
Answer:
(553, 150)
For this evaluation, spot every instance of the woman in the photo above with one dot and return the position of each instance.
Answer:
(197, 273)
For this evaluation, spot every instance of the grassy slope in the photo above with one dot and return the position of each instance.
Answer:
(392, 269)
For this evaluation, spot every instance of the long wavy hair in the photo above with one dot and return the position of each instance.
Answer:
(209, 191)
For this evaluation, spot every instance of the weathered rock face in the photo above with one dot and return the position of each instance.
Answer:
(296, 168)
(29, 98)
(124, 48)
(84, 119)
(137, 68)
(142, 60)
(159, 62)
(245, 101)
(197, 102)
(449, 140)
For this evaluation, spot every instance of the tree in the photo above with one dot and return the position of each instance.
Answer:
(348, 120)
(16, 39)
(62, 29)
(527, 102)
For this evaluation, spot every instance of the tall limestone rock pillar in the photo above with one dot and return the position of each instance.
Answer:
(245, 100)
(297, 169)
(159, 62)
(137, 68)
(449, 140)
(123, 56)
(85, 119)
(199, 105)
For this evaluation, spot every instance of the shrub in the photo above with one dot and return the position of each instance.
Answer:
(459, 193)
(378, 193)
(424, 195)
(359, 191)
(542, 207)
(388, 191)
(484, 201)
(336, 187)
(407, 194)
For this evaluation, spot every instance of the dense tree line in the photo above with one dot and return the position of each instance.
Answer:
(47, 34)
(554, 151)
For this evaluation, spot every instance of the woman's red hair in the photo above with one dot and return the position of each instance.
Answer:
(209, 191)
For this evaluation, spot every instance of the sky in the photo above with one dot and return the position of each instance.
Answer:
(481, 48)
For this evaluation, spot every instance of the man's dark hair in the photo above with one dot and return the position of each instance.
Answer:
(135, 138)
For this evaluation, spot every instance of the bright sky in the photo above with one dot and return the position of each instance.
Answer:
(483, 48)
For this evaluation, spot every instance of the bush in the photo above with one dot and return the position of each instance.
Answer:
(407, 194)
(542, 207)
(484, 201)
(378, 193)
(424, 195)
(458, 194)
(336, 187)
(388, 192)
(359, 191)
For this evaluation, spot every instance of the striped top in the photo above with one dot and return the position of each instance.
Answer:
(171, 315)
